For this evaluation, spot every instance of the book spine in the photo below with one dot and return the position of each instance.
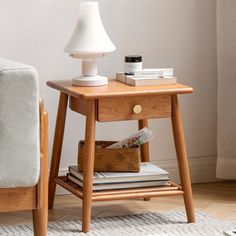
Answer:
(150, 80)
(130, 81)
(120, 76)
(162, 72)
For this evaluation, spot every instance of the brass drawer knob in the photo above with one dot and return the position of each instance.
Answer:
(137, 109)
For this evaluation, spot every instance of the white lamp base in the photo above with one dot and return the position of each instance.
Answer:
(90, 81)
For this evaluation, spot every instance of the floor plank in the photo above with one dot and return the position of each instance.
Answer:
(216, 199)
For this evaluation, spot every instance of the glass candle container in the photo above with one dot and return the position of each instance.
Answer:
(133, 63)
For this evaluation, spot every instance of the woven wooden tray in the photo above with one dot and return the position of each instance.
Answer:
(112, 160)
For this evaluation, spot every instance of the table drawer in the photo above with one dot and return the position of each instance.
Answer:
(134, 108)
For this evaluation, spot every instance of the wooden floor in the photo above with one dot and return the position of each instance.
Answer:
(216, 199)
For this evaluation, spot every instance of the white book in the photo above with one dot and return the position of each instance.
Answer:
(150, 80)
(120, 76)
(110, 186)
(148, 172)
(161, 72)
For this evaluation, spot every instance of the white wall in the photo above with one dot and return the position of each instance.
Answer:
(168, 33)
(226, 41)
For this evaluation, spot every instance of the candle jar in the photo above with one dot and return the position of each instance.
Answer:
(133, 63)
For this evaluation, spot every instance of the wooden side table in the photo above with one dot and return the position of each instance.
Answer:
(116, 102)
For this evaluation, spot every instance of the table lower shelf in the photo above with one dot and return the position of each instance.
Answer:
(120, 194)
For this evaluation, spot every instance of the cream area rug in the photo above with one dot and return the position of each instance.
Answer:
(167, 223)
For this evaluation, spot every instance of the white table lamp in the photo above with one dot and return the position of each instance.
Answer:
(89, 41)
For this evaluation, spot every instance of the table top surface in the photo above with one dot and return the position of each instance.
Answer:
(116, 88)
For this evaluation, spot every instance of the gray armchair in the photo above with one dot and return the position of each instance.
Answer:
(23, 144)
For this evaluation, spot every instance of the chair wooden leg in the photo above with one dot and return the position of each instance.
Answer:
(182, 158)
(88, 166)
(40, 215)
(40, 218)
(57, 147)
(145, 156)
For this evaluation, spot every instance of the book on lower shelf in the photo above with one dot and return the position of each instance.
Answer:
(150, 175)
(125, 185)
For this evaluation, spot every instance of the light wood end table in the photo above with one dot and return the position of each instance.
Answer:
(117, 102)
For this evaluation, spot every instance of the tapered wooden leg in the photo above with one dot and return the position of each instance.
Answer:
(145, 147)
(88, 165)
(40, 215)
(182, 158)
(57, 147)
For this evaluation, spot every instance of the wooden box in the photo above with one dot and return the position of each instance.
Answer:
(112, 160)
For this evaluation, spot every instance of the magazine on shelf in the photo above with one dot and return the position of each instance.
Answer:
(125, 185)
(135, 140)
(148, 172)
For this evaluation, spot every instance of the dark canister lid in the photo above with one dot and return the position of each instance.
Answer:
(133, 58)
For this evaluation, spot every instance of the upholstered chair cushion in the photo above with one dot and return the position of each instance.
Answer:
(19, 125)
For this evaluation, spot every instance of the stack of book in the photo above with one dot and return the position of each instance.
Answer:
(148, 77)
(149, 176)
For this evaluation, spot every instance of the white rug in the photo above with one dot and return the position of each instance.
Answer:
(166, 223)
